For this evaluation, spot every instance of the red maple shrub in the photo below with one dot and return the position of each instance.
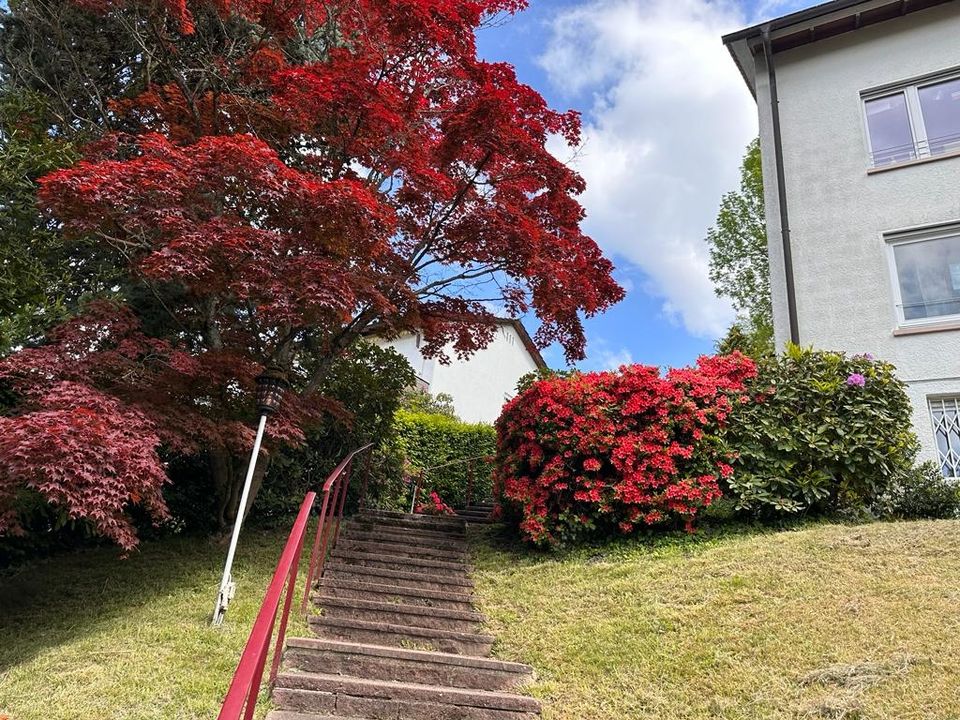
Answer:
(614, 451)
(267, 182)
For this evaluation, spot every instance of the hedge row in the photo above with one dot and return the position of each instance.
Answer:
(428, 441)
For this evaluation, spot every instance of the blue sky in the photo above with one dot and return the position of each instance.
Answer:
(666, 118)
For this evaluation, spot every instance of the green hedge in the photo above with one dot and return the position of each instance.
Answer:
(432, 440)
(825, 432)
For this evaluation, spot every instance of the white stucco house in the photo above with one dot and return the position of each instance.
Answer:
(859, 108)
(481, 384)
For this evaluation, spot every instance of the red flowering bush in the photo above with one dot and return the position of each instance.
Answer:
(617, 450)
(434, 506)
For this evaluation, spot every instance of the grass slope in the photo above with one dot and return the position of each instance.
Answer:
(87, 635)
(828, 621)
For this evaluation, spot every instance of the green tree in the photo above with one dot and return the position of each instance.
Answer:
(33, 264)
(739, 267)
(416, 400)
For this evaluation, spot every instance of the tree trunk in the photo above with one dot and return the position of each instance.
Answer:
(229, 472)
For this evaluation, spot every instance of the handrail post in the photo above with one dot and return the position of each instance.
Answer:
(315, 555)
(416, 490)
(282, 631)
(345, 483)
(469, 483)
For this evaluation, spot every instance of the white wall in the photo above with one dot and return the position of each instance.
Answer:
(838, 212)
(479, 385)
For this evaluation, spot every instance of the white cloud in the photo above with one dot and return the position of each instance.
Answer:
(605, 357)
(663, 139)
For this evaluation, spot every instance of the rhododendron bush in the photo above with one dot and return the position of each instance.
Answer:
(268, 181)
(617, 450)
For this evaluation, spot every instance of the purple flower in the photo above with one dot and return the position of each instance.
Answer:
(856, 379)
(865, 356)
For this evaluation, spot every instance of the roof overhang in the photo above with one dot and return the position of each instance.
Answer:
(813, 24)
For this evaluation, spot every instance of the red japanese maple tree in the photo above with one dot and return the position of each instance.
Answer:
(274, 178)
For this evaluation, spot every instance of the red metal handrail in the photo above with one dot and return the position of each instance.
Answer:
(338, 483)
(241, 699)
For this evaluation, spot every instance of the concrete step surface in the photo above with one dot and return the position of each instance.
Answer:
(383, 696)
(399, 562)
(449, 523)
(395, 635)
(400, 664)
(403, 549)
(406, 577)
(457, 532)
(399, 614)
(447, 542)
(388, 592)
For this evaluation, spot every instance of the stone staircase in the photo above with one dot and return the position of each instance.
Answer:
(481, 512)
(398, 637)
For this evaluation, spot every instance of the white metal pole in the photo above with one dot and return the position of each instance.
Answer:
(226, 583)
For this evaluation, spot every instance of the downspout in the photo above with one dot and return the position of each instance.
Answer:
(781, 188)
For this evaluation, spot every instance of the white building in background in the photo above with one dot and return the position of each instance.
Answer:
(859, 106)
(481, 384)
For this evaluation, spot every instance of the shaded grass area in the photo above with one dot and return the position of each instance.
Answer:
(822, 621)
(89, 635)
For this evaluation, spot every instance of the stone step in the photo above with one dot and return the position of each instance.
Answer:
(399, 614)
(411, 518)
(455, 528)
(418, 638)
(396, 593)
(399, 562)
(384, 576)
(414, 535)
(355, 697)
(392, 663)
(401, 548)
(355, 532)
(294, 715)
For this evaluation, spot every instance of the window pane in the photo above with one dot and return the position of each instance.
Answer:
(940, 104)
(929, 277)
(891, 138)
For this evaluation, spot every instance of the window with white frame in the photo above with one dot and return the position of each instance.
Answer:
(914, 121)
(925, 267)
(945, 413)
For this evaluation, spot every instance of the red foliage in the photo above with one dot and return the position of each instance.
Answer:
(617, 449)
(86, 453)
(435, 506)
(268, 206)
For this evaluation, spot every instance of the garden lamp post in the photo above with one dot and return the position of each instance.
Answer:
(270, 387)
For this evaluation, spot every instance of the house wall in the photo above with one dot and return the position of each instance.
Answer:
(839, 213)
(479, 385)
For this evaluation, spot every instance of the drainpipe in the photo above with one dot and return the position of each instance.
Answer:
(781, 188)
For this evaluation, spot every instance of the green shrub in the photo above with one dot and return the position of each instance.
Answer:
(825, 432)
(431, 440)
(922, 492)
(368, 382)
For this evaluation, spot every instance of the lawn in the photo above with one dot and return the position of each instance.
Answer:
(88, 635)
(827, 621)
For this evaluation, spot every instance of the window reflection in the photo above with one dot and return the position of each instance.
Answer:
(929, 276)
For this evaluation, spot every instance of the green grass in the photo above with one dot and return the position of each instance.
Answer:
(88, 635)
(825, 621)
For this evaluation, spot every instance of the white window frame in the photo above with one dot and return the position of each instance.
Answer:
(953, 462)
(910, 90)
(895, 238)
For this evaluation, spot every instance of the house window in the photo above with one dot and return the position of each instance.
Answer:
(916, 121)
(927, 276)
(945, 413)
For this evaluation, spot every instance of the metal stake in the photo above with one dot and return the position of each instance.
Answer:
(227, 586)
